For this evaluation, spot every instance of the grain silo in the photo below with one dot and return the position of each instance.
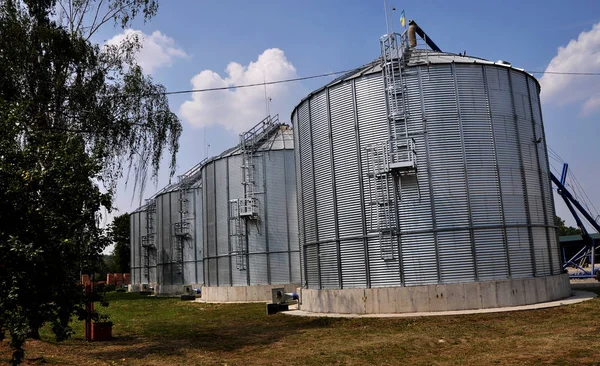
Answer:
(179, 234)
(423, 185)
(142, 246)
(250, 217)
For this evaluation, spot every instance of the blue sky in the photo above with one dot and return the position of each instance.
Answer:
(315, 37)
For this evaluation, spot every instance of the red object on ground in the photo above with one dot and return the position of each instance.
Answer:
(101, 331)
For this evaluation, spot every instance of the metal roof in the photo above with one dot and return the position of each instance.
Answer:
(416, 57)
(281, 139)
(576, 238)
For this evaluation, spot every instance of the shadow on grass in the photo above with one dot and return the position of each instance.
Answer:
(168, 328)
(227, 333)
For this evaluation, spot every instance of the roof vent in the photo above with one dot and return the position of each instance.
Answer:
(502, 62)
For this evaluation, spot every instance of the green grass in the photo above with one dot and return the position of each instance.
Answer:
(159, 331)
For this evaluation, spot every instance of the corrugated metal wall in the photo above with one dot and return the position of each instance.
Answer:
(135, 246)
(480, 207)
(138, 229)
(198, 234)
(272, 241)
(179, 266)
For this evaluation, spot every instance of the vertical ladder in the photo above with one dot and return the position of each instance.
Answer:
(382, 219)
(249, 204)
(394, 54)
(148, 239)
(237, 232)
(245, 209)
(391, 159)
(182, 229)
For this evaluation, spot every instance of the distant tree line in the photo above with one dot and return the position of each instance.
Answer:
(564, 230)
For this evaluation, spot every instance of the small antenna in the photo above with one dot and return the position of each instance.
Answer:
(392, 18)
(387, 26)
(266, 99)
(204, 142)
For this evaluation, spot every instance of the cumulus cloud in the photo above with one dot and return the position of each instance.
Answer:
(157, 49)
(580, 55)
(239, 109)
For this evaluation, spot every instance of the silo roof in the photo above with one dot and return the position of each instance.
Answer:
(417, 57)
(142, 208)
(282, 139)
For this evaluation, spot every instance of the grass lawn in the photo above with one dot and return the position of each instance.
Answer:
(167, 331)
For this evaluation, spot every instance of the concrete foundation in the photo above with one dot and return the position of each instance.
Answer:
(173, 290)
(140, 287)
(242, 293)
(134, 288)
(433, 298)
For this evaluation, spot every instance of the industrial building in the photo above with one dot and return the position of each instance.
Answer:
(250, 217)
(228, 226)
(142, 248)
(423, 185)
(417, 182)
(166, 238)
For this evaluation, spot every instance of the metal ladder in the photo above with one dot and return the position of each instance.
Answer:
(182, 229)
(148, 239)
(382, 219)
(395, 157)
(246, 209)
(394, 54)
(237, 232)
(249, 203)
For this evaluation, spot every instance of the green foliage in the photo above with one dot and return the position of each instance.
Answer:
(72, 116)
(120, 230)
(564, 230)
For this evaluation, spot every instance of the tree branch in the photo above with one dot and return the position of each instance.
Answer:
(108, 16)
(83, 12)
(95, 18)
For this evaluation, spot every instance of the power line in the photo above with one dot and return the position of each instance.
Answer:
(233, 87)
(256, 84)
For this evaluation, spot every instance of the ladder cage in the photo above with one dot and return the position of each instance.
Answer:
(148, 240)
(237, 233)
(246, 208)
(388, 160)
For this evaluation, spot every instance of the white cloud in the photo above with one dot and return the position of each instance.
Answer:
(239, 109)
(580, 55)
(157, 50)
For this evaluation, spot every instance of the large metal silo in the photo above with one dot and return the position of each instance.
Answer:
(179, 234)
(142, 246)
(250, 217)
(135, 246)
(423, 185)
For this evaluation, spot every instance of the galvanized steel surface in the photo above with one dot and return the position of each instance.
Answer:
(480, 206)
(272, 253)
(138, 230)
(179, 258)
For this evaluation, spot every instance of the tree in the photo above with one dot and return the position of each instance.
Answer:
(564, 230)
(74, 117)
(120, 236)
